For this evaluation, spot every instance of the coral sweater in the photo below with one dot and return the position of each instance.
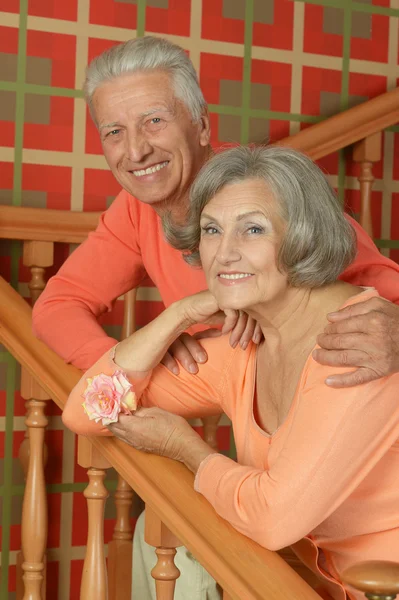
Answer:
(127, 244)
(326, 482)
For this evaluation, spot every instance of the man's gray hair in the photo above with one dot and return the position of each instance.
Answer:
(317, 244)
(147, 54)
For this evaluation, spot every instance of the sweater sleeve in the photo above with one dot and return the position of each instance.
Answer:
(370, 268)
(104, 267)
(335, 439)
(185, 394)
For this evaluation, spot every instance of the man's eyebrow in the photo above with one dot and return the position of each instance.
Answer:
(151, 111)
(241, 216)
(109, 125)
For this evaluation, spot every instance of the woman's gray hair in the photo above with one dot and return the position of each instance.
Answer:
(318, 243)
(146, 54)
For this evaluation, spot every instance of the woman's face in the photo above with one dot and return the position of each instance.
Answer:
(240, 237)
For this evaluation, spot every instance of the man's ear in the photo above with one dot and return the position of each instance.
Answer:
(205, 131)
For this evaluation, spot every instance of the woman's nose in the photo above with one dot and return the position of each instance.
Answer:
(228, 251)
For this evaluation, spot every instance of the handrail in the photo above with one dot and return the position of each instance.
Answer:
(243, 568)
(348, 127)
(43, 224)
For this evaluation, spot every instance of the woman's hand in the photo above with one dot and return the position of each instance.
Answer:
(157, 431)
(203, 308)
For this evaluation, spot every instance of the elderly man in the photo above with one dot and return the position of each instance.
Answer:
(154, 127)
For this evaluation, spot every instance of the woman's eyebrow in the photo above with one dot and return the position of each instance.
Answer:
(251, 213)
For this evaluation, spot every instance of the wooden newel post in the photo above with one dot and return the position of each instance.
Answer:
(94, 577)
(165, 542)
(366, 152)
(377, 579)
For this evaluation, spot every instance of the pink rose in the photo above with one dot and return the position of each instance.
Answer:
(108, 395)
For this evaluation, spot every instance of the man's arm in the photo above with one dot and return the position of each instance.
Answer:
(370, 268)
(365, 335)
(104, 267)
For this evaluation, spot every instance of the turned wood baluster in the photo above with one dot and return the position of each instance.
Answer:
(94, 576)
(377, 579)
(34, 509)
(37, 256)
(120, 548)
(366, 152)
(210, 430)
(165, 571)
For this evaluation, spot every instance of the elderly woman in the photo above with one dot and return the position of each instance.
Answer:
(317, 466)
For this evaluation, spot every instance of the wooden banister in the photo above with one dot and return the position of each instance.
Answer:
(243, 568)
(347, 127)
(47, 225)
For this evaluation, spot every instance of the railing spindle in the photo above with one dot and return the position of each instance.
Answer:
(94, 577)
(36, 255)
(120, 548)
(366, 152)
(210, 430)
(34, 508)
(165, 542)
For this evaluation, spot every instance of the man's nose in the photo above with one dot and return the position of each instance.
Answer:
(228, 251)
(138, 147)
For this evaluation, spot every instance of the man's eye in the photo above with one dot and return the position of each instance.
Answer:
(155, 120)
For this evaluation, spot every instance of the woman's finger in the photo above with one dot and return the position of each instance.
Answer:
(239, 328)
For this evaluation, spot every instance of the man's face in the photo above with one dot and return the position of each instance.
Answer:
(149, 140)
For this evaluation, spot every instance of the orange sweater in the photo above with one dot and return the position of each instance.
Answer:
(127, 243)
(325, 482)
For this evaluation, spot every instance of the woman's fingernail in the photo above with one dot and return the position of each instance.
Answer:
(201, 357)
(175, 370)
(234, 344)
(244, 345)
(193, 368)
(256, 338)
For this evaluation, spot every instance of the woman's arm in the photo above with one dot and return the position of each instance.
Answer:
(138, 355)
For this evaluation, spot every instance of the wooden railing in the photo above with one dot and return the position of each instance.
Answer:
(45, 377)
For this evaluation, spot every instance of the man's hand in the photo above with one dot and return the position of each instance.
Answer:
(187, 351)
(159, 432)
(364, 335)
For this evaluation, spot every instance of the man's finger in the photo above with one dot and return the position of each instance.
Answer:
(360, 308)
(341, 358)
(353, 378)
(170, 363)
(207, 333)
(181, 353)
(342, 341)
(354, 324)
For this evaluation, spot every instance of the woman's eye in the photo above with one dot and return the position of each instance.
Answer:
(155, 120)
(254, 229)
(209, 230)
